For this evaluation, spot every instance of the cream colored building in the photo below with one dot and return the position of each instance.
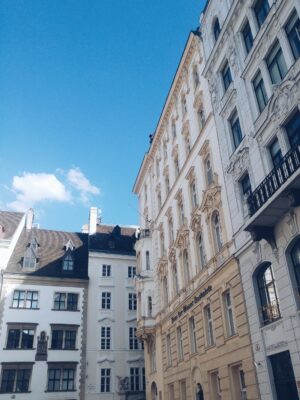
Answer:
(191, 312)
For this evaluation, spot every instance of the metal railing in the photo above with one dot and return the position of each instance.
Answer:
(274, 180)
(270, 312)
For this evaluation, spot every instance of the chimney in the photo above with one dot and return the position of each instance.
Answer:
(29, 218)
(93, 220)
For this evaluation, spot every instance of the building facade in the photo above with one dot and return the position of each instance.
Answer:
(43, 309)
(115, 360)
(191, 311)
(252, 51)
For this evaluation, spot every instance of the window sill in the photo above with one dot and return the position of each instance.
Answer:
(54, 309)
(28, 391)
(59, 391)
(7, 348)
(268, 324)
(23, 308)
(50, 348)
(211, 346)
(228, 338)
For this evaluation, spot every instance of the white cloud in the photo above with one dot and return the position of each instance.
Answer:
(31, 189)
(80, 182)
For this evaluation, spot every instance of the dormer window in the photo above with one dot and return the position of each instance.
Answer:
(68, 262)
(30, 256)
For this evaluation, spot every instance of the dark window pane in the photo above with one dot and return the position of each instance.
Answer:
(292, 29)
(293, 129)
(248, 38)
(13, 339)
(27, 338)
(226, 74)
(275, 152)
(72, 301)
(7, 381)
(276, 64)
(246, 185)
(261, 9)
(217, 29)
(237, 134)
(260, 91)
(57, 339)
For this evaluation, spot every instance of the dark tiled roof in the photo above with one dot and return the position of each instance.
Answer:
(9, 221)
(113, 239)
(50, 253)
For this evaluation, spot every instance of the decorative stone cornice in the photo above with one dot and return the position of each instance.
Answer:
(239, 162)
(182, 237)
(211, 200)
(195, 224)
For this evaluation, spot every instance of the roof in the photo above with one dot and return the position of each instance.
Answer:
(113, 239)
(50, 253)
(9, 222)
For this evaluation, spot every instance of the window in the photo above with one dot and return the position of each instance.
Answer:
(171, 231)
(162, 244)
(147, 260)
(165, 291)
(15, 377)
(260, 91)
(236, 130)
(179, 344)
(201, 249)
(175, 280)
(292, 29)
(153, 356)
(165, 149)
(209, 172)
(209, 326)
(246, 186)
(183, 390)
(193, 337)
(30, 256)
(215, 386)
(217, 232)
(63, 337)
(174, 134)
(65, 301)
(216, 29)
(226, 75)
(196, 77)
(105, 337)
(131, 272)
(176, 166)
(105, 380)
(68, 262)
(268, 300)
(134, 379)
(143, 379)
(20, 336)
(201, 118)
(169, 352)
(275, 152)
(25, 299)
(194, 196)
(132, 301)
(61, 378)
(181, 213)
(276, 64)
(167, 184)
(106, 300)
(261, 10)
(183, 105)
(238, 383)
(149, 306)
(159, 200)
(295, 254)
(247, 36)
(187, 144)
(106, 270)
(293, 130)
(229, 314)
(146, 193)
(186, 266)
(133, 340)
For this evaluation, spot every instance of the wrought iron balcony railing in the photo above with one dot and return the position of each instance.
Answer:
(274, 180)
(270, 312)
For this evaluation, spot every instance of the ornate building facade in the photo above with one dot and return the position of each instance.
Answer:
(252, 51)
(191, 311)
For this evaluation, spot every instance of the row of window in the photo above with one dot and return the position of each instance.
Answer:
(106, 339)
(21, 336)
(137, 379)
(107, 271)
(106, 298)
(28, 299)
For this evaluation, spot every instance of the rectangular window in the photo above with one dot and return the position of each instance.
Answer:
(131, 272)
(61, 378)
(179, 344)
(226, 75)
(247, 36)
(132, 301)
(260, 91)
(133, 340)
(105, 337)
(134, 379)
(63, 337)
(229, 314)
(169, 352)
(143, 379)
(246, 186)
(215, 386)
(261, 10)
(209, 326)
(275, 152)
(276, 64)
(20, 336)
(181, 213)
(106, 270)
(182, 390)
(292, 29)
(193, 337)
(25, 299)
(176, 166)
(106, 300)
(236, 130)
(65, 301)
(293, 129)
(194, 196)
(15, 377)
(105, 380)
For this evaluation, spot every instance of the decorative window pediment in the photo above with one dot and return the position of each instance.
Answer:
(69, 245)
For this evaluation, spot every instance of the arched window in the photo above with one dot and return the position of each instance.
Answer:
(268, 300)
(209, 172)
(186, 266)
(175, 280)
(68, 262)
(147, 260)
(165, 291)
(216, 29)
(295, 254)
(196, 76)
(201, 249)
(217, 231)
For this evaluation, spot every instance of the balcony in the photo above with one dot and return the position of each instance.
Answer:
(276, 194)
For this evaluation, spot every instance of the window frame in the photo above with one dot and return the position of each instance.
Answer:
(237, 135)
(26, 299)
(209, 329)
(60, 377)
(260, 91)
(247, 36)
(68, 305)
(226, 76)
(106, 298)
(132, 301)
(275, 60)
(105, 337)
(105, 380)
(290, 32)
(13, 378)
(264, 8)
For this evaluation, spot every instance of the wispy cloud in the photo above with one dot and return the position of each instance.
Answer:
(31, 189)
(80, 182)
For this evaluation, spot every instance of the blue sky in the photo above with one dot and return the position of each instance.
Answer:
(82, 85)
